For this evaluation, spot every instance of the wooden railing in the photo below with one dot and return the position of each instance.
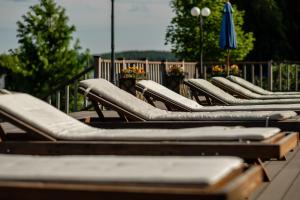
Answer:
(275, 76)
(68, 101)
(154, 69)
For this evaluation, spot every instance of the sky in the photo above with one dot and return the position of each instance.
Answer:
(139, 24)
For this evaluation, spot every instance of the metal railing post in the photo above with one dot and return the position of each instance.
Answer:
(245, 71)
(58, 100)
(67, 99)
(49, 99)
(280, 77)
(252, 74)
(75, 95)
(296, 77)
(205, 72)
(270, 75)
(288, 77)
(261, 75)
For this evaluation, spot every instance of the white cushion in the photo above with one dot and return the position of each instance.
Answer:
(266, 107)
(214, 90)
(255, 88)
(117, 169)
(134, 105)
(63, 127)
(194, 106)
(226, 97)
(110, 92)
(248, 85)
(168, 94)
(236, 87)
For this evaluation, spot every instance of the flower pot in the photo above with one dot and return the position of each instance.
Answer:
(128, 84)
(173, 82)
(127, 81)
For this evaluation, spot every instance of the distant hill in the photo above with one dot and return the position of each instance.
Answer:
(140, 55)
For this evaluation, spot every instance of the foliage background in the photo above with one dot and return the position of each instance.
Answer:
(184, 32)
(140, 55)
(47, 54)
(276, 27)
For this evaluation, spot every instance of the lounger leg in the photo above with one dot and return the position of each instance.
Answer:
(208, 100)
(195, 95)
(169, 107)
(267, 178)
(123, 117)
(97, 109)
(149, 100)
(2, 134)
(284, 157)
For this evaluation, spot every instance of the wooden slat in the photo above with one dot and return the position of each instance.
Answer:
(2, 134)
(273, 168)
(237, 187)
(281, 184)
(293, 192)
(245, 189)
(249, 151)
(24, 126)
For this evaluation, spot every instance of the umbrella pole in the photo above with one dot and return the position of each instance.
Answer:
(228, 67)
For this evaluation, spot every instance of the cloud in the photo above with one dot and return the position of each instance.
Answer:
(138, 8)
(19, 1)
(140, 24)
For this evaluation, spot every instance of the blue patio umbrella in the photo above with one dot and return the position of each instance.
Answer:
(227, 33)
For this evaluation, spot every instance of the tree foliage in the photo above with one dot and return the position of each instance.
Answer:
(140, 55)
(47, 54)
(184, 31)
(9, 63)
(276, 26)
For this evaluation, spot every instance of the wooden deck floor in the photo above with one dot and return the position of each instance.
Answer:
(285, 183)
(285, 175)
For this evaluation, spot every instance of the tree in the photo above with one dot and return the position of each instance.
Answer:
(184, 32)
(46, 55)
(276, 26)
(265, 18)
(152, 55)
(291, 15)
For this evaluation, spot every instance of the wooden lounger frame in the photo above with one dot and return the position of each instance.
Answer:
(210, 98)
(237, 185)
(238, 94)
(134, 120)
(43, 144)
(152, 96)
(231, 90)
(215, 100)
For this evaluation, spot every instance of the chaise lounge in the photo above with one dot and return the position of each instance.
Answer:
(145, 115)
(126, 177)
(215, 95)
(256, 89)
(153, 91)
(236, 89)
(50, 131)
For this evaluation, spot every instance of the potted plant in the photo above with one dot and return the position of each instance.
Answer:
(219, 70)
(128, 77)
(173, 78)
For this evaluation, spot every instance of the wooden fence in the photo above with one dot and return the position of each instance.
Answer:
(275, 76)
